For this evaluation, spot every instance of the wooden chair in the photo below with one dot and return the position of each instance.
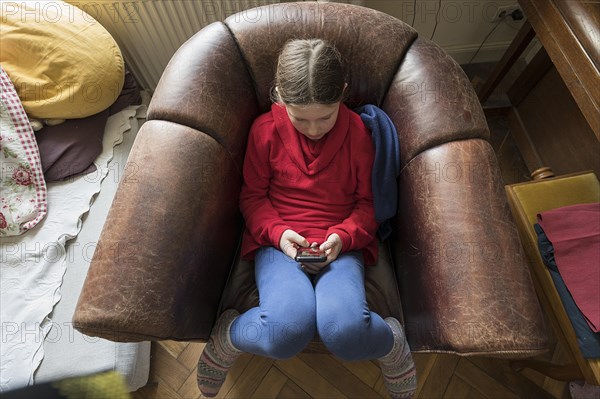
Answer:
(526, 201)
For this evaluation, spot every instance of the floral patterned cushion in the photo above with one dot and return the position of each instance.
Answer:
(23, 198)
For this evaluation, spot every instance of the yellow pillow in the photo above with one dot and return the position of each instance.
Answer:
(62, 62)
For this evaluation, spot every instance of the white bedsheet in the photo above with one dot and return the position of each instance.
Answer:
(33, 266)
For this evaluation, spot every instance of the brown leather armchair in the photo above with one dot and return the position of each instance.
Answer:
(168, 258)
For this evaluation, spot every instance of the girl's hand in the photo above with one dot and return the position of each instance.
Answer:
(332, 248)
(290, 241)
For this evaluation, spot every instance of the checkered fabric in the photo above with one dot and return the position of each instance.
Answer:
(23, 189)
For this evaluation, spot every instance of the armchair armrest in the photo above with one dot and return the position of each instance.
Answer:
(168, 243)
(173, 230)
(464, 282)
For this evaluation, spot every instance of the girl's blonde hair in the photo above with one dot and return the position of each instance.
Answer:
(309, 71)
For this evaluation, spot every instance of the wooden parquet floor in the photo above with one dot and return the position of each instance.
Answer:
(173, 375)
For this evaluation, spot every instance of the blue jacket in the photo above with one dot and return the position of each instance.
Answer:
(386, 166)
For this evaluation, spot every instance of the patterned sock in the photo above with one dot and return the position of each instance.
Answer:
(398, 367)
(218, 356)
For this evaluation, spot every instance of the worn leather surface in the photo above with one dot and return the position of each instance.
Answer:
(431, 101)
(464, 281)
(355, 31)
(168, 242)
(207, 87)
(179, 217)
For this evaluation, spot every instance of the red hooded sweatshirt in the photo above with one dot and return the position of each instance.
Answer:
(315, 188)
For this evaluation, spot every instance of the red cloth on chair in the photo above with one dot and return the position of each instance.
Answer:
(575, 235)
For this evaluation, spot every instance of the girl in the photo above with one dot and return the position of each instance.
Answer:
(307, 183)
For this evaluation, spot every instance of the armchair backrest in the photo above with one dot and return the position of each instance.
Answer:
(372, 43)
(229, 70)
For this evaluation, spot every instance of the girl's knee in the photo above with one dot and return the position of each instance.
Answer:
(288, 332)
(344, 345)
(294, 338)
(342, 335)
(275, 339)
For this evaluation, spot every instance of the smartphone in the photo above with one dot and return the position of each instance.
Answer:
(312, 254)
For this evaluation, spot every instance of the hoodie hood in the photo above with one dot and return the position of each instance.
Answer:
(290, 137)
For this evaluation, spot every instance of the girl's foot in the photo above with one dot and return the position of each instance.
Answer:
(398, 367)
(218, 356)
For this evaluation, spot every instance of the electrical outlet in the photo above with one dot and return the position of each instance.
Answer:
(505, 11)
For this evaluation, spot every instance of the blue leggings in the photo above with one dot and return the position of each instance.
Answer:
(294, 305)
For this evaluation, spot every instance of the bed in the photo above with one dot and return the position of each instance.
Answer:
(57, 185)
(43, 272)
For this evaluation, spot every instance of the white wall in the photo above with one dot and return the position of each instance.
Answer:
(150, 31)
(462, 24)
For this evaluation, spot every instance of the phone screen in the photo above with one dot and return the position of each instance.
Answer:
(310, 255)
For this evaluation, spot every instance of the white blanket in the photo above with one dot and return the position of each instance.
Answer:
(33, 265)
